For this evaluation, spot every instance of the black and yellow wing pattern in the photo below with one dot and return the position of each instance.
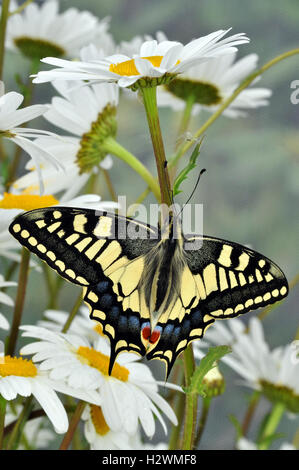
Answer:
(222, 280)
(152, 296)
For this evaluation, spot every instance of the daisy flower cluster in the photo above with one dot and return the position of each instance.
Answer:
(54, 370)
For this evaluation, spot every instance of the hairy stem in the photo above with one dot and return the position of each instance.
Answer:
(191, 402)
(151, 109)
(206, 402)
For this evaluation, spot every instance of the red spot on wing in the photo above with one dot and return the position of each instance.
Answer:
(148, 335)
(146, 332)
(154, 337)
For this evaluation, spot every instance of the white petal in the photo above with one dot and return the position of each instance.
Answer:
(51, 404)
(11, 120)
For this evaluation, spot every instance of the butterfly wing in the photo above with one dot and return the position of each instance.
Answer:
(221, 279)
(101, 252)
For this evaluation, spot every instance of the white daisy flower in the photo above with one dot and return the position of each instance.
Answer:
(35, 435)
(11, 118)
(68, 183)
(218, 334)
(209, 84)
(99, 435)
(274, 372)
(88, 113)
(22, 377)
(128, 396)
(41, 30)
(5, 299)
(156, 61)
(55, 320)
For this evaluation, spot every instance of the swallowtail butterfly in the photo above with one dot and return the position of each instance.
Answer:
(151, 294)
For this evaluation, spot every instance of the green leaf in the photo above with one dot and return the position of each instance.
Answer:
(237, 426)
(207, 363)
(184, 173)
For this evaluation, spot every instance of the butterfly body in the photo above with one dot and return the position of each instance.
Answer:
(153, 290)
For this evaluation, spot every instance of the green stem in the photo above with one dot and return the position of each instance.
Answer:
(271, 424)
(186, 116)
(19, 304)
(2, 419)
(296, 439)
(16, 433)
(253, 403)
(3, 23)
(33, 415)
(229, 100)
(206, 403)
(72, 426)
(73, 313)
(111, 146)
(179, 412)
(185, 120)
(51, 285)
(21, 7)
(109, 185)
(150, 104)
(191, 401)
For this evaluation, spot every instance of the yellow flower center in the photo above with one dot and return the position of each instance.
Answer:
(101, 362)
(17, 366)
(128, 67)
(98, 420)
(26, 202)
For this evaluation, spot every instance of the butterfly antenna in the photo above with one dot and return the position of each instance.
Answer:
(197, 182)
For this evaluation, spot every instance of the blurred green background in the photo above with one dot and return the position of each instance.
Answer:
(250, 191)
